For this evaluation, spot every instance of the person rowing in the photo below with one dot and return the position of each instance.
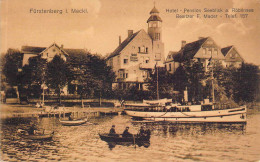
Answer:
(126, 133)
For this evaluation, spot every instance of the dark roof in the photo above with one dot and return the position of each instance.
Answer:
(189, 50)
(225, 50)
(73, 52)
(32, 49)
(37, 50)
(171, 56)
(154, 18)
(154, 10)
(122, 45)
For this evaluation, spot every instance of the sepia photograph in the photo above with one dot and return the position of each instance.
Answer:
(130, 80)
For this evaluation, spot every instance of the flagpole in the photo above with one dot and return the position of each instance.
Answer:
(212, 77)
(157, 85)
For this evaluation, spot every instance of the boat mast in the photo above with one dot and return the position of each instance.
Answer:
(157, 84)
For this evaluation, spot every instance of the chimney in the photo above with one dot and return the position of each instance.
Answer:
(61, 46)
(183, 43)
(130, 33)
(201, 38)
(119, 40)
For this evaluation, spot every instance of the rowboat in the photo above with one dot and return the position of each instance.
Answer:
(118, 138)
(38, 136)
(73, 122)
(189, 113)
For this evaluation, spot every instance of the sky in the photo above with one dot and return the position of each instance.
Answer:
(99, 29)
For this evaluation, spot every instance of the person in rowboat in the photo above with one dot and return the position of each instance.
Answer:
(141, 131)
(112, 130)
(32, 129)
(70, 118)
(126, 133)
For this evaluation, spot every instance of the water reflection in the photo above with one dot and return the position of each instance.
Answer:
(172, 142)
(112, 145)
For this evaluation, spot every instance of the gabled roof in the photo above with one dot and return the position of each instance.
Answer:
(122, 45)
(38, 50)
(54, 44)
(189, 50)
(32, 49)
(226, 50)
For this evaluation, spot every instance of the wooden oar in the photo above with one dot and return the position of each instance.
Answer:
(134, 140)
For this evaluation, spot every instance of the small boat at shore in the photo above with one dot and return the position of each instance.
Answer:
(38, 136)
(73, 122)
(118, 138)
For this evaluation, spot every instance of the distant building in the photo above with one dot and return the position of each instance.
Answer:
(232, 57)
(201, 50)
(137, 55)
(48, 53)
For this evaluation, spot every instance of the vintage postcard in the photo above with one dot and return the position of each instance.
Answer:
(130, 80)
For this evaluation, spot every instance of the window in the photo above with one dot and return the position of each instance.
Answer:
(210, 52)
(125, 61)
(215, 51)
(157, 36)
(126, 75)
(147, 61)
(139, 49)
(170, 67)
(146, 50)
(121, 75)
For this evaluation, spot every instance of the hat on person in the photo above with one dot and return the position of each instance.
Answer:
(127, 127)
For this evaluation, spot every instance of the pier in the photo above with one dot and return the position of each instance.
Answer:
(25, 111)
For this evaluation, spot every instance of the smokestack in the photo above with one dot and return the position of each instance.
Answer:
(183, 43)
(119, 40)
(130, 33)
(61, 46)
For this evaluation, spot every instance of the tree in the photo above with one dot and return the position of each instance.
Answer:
(92, 75)
(57, 75)
(195, 75)
(12, 62)
(165, 84)
(32, 76)
(246, 83)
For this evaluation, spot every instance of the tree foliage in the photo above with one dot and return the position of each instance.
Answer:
(57, 74)
(246, 85)
(12, 62)
(165, 84)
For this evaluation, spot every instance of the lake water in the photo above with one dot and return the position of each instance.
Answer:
(186, 142)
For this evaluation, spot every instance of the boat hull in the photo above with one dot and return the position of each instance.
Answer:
(39, 137)
(72, 122)
(235, 115)
(119, 138)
